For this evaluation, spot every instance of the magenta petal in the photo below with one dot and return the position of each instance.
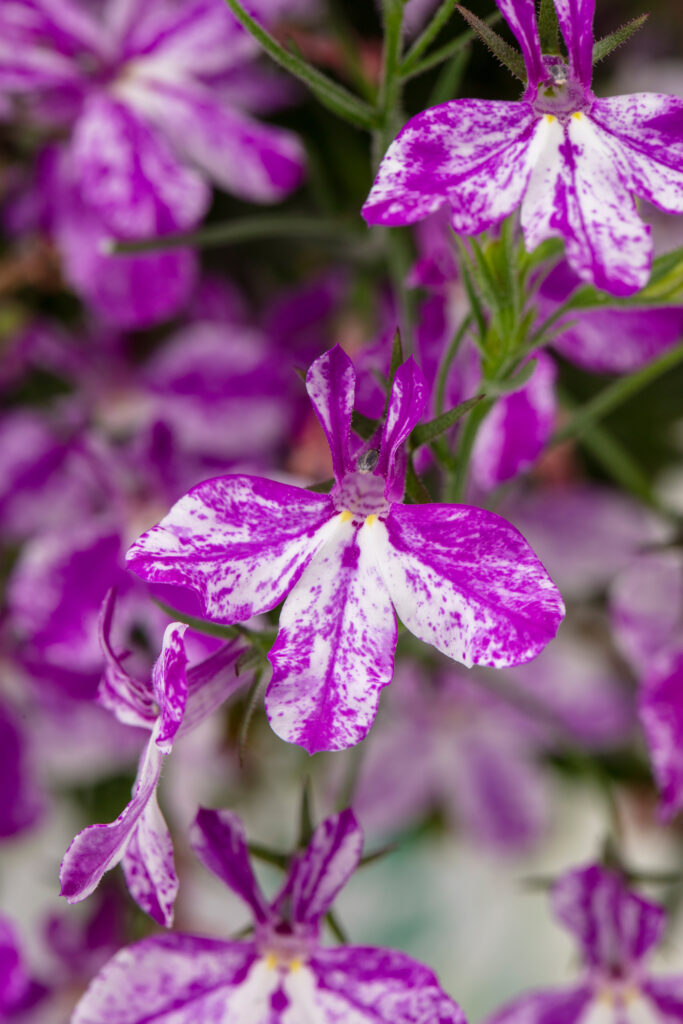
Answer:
(125, 696)
(576, 22)
(646, 606)
(323, 869)
(667, 995)
(241, 542)
(521, 17)
(169, 679)
(466, 581)
(331, 387)
(25, 69)
(406, 405)
(368, 986)
(219, 840)
(335, 648)
(549, 1006)
(148, 865)
(174, 977)
(474, 154)
(661, 711)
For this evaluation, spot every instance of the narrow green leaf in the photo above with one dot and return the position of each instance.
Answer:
(445, 52)
(336, 928)
(321, 488)
(506, 54)
(335, 97)
(548, 27)
(603, 47)
(416, 492)
(426, 432)
(363, 426)
(305, 816)
(254, 698)
(447, 84)
(427, 37)
(396, 356)
(511, 384)
(371, 858)
(268, 856)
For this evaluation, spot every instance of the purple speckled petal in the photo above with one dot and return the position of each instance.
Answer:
(466, 581)
(517, 429)
(219, 840)
(131, 700)
(614, 926)
(99, 848)
(647, 133)
(14, 980)
(646, 606)
(661, 712)
(169, 680)
(24, 68)
(331, 387)
(323, 869)
(195, 38)
(667, 994)
(362, 985)
(20, 801)
(406, 405)
(521, 17)
(335, 648)
(148, 865)
(257, 162)
(180, 979)
(576, 22)
(241, 542)
(548, 1006)
(476, 155)
(577, 192)
(65, 26)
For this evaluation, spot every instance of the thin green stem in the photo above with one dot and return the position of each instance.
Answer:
(442, 53)
(447, 362)
(427, 37)
(455, 489)
(390, 85)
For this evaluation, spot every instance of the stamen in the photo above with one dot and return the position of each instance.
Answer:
(371, 519)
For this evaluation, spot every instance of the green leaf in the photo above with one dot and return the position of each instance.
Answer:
(511, 384)
(447, 84)
(363, 426)
(427, 37)
(548, 27)
(506, 54)
(444, 52)
(335, 97)
(603, 47)
(416, 492)
(269, 856)
(305, 816)
(336, 928)
(396, 356)
(427, 432)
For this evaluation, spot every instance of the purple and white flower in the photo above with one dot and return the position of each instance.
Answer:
(460, 578)
(282, 974)
(616, 930)
(573, 162)
(177, 700)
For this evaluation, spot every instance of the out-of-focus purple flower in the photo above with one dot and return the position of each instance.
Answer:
(661, 713)
(460, 578)
(150, 95)
(20, 802)
(19, 992)
(176, 698)
(615, 930)
(573, 162)
(283, 973)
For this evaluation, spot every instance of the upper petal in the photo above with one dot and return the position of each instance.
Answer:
(335, 648)
(169, 680)
(240, 541)
(576, 22)
(647, 129)
(646, 606)
(473, 154)
(323, 869)
(331, 387)
(660, 707)
(466, 581)
(406, 405)
(521, 17)
(219, 840)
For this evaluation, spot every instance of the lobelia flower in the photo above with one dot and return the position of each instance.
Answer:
(616, 929)
(572, 161)
(460, 578)
(177, 700)
(282, 974)
(156, 98)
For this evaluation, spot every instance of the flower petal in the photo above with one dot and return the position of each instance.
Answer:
(148, 865)
(576, 22)
(179, 979)
(660, 707)
(335, 648)
(548, 1006)
(406, 405)
(241, 542)
(331, 387)
(521, 17)
(646, 606)
(667, 994)
(169, 680)
(219, 840)
(647, 130)
(125, 696)
(473, 154)
(362, 985)
(466, 581)
(323, 869)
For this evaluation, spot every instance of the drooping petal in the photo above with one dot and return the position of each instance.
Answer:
(667, 995)
(406, 405)
(646, 130)
(362, 985)
(335, 648)
(331, 387)
(521, 17)
(257, 162)
(517, 429)
(576, 23)
(241, 542)
(660, 707)
(578, 192)
(549, 1006)
(130, 699)
(148, 865)
(614, 926)
(323, 869)
(476, 155)
(180, 979)
(466, 581)
(169, 681)
(646, 606)
(219, 840)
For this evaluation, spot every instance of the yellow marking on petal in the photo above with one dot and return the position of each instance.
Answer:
(631, 995)
(371, 520)
(295, 965)
(271, 961)
(550, 118)
(577, 115)
(346, 515)
(606, 995)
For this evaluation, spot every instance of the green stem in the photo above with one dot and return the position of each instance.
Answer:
(438, 56)
(455, 490)
(447, 362)
(390, 85)
(427, 37)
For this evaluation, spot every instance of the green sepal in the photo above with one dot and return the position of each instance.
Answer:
(509, 57)
(363, 425)
(507, 387)
(549, 27)
(603, 47)
(416, 492)
(427, 432)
